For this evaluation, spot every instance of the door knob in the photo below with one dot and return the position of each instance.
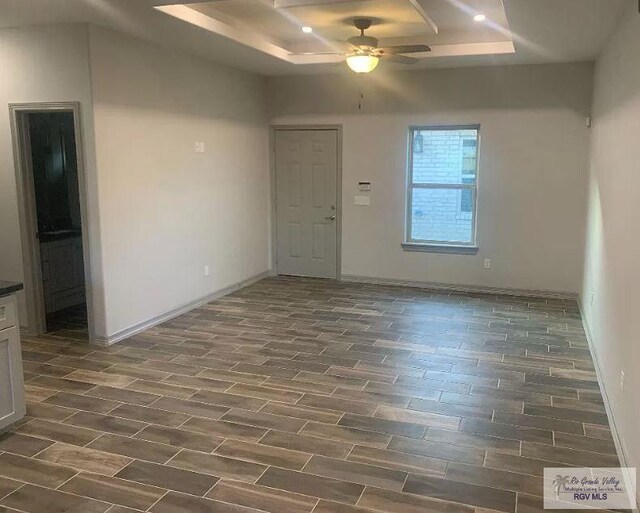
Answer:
(330, 218)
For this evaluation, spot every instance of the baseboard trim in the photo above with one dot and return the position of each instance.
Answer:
(149, 323)
(618, 441)
(460, 288)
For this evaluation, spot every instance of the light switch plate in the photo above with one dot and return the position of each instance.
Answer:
(363, 201)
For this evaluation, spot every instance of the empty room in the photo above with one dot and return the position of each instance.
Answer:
(319, 256)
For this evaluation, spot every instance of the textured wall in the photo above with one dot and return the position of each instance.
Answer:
(532, 178)
(166, 210)
(45, 64)
(611, 289)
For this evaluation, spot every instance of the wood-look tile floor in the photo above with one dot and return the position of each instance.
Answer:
(299, 395)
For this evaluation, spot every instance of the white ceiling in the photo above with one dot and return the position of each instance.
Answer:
(445, 25)
(542, 30)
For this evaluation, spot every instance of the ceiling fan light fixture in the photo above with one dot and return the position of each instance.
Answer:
(362, 63)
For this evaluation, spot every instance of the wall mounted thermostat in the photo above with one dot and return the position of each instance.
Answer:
(364, 186)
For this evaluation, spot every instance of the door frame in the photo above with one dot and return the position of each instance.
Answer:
(34, 293)
(272, 168)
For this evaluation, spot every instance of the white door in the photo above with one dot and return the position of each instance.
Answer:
(306, 164)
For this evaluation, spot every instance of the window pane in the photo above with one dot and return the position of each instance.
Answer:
(444, 156)
(466, 201)
(437, 215)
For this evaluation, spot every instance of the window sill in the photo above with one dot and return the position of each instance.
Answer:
(440, 248)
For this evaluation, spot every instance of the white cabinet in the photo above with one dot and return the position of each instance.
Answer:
(8, 314)
(12, 403)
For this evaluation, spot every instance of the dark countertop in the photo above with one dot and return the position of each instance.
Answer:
(58, 235)
(9, 287)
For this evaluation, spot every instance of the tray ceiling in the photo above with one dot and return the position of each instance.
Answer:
(542, 31)
(274, 27)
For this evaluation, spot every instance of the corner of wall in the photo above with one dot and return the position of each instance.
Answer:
(618, 440)
(608, 272)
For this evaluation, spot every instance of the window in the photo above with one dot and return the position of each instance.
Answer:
(442, 186)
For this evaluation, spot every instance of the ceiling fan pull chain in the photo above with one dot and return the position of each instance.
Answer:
(361, 82)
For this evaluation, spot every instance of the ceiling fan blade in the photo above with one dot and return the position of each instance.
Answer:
(401, 49)
(344, 46)
(400, 59)
(319, 53)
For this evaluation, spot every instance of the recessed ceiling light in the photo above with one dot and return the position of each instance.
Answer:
(306, 30)
(479, 17)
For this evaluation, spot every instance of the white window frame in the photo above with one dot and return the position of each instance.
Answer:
(411, 244)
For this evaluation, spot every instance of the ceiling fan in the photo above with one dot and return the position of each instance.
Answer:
(363, 54)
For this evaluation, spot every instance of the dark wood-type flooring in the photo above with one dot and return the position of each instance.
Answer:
(301, 395)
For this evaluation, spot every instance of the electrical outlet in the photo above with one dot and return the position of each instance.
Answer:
(199, 147)
(207, 271)
(621, 381)
(487, 263)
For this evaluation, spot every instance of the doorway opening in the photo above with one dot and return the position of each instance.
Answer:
(50, 180)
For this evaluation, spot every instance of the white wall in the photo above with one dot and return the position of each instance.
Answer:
(532, 178)
(158, 212)
(43, 64)
(166, 212)
(612, 255)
